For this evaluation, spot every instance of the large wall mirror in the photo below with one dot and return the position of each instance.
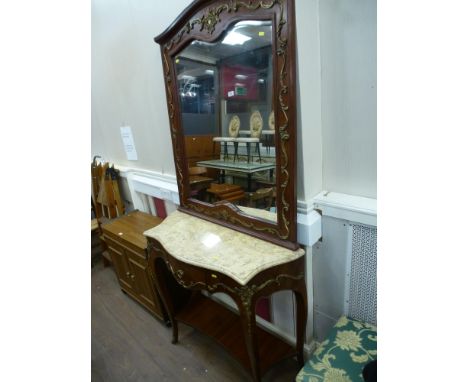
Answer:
(230, 85)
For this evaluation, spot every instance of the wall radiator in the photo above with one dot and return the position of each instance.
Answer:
(361, 280)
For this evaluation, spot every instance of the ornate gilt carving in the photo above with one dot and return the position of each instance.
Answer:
(231, 218)
(246, 292)
(151, 274)
(179, 274)
(174, 132)
(283, 128)
(210, 20)
(149, 247)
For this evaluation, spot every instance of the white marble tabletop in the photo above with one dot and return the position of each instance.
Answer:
(202, 243)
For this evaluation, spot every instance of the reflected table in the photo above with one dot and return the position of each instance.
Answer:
(226, 192)
(243, 167)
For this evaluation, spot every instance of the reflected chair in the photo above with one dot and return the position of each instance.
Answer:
(270, 133)
(223, 141)
(197, 170)
(256, 125)
(233, 130)
(262, 198)
(269, 139)
(198, 181)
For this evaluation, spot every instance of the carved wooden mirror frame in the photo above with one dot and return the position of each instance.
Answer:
(207, 20)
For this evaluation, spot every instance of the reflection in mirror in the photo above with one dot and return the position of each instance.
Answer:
(225, 94)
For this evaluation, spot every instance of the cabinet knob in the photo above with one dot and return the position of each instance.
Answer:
(128, 274)
(132, 276)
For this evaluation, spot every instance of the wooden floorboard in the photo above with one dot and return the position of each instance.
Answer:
(129, 344)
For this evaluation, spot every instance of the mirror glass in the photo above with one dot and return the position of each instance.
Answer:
(225, 91)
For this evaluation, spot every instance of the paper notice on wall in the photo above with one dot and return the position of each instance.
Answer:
(129, 145)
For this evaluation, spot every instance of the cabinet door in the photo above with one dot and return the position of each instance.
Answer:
(142, 286)
(120, 265)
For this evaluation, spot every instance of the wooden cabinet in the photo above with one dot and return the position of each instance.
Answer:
(128, 249)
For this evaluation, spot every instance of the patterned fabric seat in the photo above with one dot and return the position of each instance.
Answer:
(350, 345)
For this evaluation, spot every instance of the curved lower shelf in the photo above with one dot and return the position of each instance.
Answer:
(224, 326)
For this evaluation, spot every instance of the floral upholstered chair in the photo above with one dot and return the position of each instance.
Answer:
(350, 345)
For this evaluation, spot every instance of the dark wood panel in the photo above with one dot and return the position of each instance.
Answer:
(120, 265)
(143, 289)
(200, 147)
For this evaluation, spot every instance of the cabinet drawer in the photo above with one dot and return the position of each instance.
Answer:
(216, 281)
(140, 258)
(113, 242)
(123, 240)
(138, 255)
(186, 275)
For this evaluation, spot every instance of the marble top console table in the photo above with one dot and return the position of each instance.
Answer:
(188, 255)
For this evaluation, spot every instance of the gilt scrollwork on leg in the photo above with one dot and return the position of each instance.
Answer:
(246, 298)
(246, 304)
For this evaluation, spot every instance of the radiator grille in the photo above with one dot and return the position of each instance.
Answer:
(363, 274)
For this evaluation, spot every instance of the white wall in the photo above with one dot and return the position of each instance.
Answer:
(309, 115)
(349, 96)
(127, 80)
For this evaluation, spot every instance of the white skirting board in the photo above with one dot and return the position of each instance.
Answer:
(352, 208)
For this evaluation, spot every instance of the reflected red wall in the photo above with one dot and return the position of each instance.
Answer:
(229, 82)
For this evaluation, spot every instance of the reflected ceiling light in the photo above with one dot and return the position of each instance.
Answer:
(209, 240)
(197, 42)
(261, 80)
(236, 38)
(252, 22)
(240, 76)
(188, 94)
(209, 71)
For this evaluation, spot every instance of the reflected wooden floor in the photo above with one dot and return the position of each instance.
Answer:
(129, 344)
